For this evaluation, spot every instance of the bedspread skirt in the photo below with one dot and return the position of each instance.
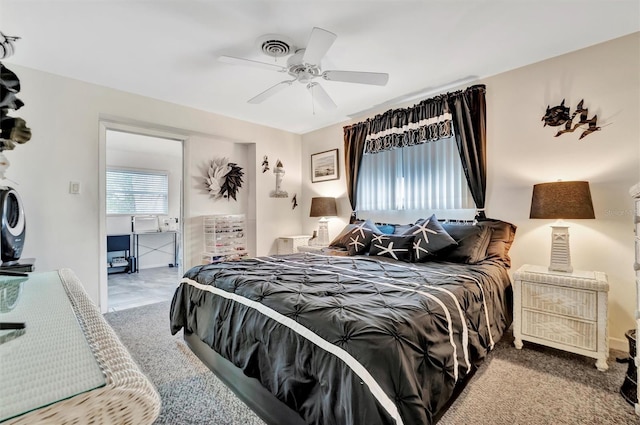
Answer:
(346, 340)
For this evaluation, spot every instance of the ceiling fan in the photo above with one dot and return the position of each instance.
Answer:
(304, 67)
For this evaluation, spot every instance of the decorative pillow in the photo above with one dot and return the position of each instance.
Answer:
(472, 240)
(387, 229)
(429, 238)
(501, 239)
(356, 238)
(359, 241)
(398, 247)
(401, 229)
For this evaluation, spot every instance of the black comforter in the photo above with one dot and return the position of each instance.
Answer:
(348, 340)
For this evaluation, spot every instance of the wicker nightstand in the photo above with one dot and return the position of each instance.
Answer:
(291, 244)
(567, 311)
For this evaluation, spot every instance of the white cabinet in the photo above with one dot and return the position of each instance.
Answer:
(290, 244)
(567, 311)
(224, 237)
(635, 194)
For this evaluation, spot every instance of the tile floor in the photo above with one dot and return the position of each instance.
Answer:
(148, 286)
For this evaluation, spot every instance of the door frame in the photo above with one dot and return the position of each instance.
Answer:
(145, 130)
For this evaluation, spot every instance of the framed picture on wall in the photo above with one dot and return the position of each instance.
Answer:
(324, 166)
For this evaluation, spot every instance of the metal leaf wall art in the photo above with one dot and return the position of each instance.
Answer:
(223, 179)
(559, 115)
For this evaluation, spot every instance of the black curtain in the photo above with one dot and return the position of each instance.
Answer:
(354, 141)
(468, 111)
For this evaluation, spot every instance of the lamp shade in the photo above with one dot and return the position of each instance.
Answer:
(564, 200)
(323, 207)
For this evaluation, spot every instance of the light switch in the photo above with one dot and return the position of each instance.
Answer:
(74, 188)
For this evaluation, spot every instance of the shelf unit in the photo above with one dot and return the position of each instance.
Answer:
(224, 237)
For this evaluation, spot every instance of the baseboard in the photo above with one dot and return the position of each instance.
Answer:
(154, 266)
(619, 344)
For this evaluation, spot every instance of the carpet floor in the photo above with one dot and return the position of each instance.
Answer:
(535, 385)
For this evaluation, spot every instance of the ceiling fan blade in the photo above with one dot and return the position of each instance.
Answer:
(319, 42)
(321, 96)
(270, 92)
(248, 62)
(375, 78)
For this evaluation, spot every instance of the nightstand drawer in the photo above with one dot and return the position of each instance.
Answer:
(560, 300)
(560, 329)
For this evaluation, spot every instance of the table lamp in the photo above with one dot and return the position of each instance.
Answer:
(561, 200)
(323, 207)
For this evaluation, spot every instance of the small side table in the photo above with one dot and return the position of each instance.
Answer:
(567, 311)
(311, 248)
(291, 244)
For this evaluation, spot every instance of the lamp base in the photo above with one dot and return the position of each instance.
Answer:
(323, 232)
(560, 254)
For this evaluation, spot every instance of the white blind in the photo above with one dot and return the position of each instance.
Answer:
(137, 192)
(426, 176)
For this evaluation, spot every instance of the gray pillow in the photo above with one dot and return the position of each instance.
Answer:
(501, 239)
(429, 238)
(472, 240)
(398, 247)
(356, 238)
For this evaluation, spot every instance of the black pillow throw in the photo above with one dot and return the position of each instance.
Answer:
(473, 241)
(359, 240)
(355, 238)
(398, 247)
(429, 238)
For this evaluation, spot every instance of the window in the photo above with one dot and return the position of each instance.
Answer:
(425, 176)
(137, 192)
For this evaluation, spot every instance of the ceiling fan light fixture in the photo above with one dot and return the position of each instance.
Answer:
(304, 66)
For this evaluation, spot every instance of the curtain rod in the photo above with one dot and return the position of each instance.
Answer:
(421, 94)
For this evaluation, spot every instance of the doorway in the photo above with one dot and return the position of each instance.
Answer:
(143, 211)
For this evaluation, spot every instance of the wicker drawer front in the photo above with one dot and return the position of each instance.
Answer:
(560, 329)
(558, 300)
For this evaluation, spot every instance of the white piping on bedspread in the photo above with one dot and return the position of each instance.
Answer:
(355, 366)
(440, 303)
(477, 281)
(463, 321)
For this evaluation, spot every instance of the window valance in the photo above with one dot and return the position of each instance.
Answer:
(411, 134)
(431, 119)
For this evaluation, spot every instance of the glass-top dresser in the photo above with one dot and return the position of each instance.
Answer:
(66, 365)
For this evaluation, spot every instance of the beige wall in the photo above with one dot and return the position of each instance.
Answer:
(63, 230)
(64, 114)
(521, 152)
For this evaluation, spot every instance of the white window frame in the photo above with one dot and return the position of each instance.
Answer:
(164, 194)
(435, 180)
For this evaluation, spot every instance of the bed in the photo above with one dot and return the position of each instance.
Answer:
(325, 339)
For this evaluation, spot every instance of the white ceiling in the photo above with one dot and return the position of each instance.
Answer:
(168, 49)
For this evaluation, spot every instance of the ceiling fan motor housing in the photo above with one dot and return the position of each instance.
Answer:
(304, 73)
